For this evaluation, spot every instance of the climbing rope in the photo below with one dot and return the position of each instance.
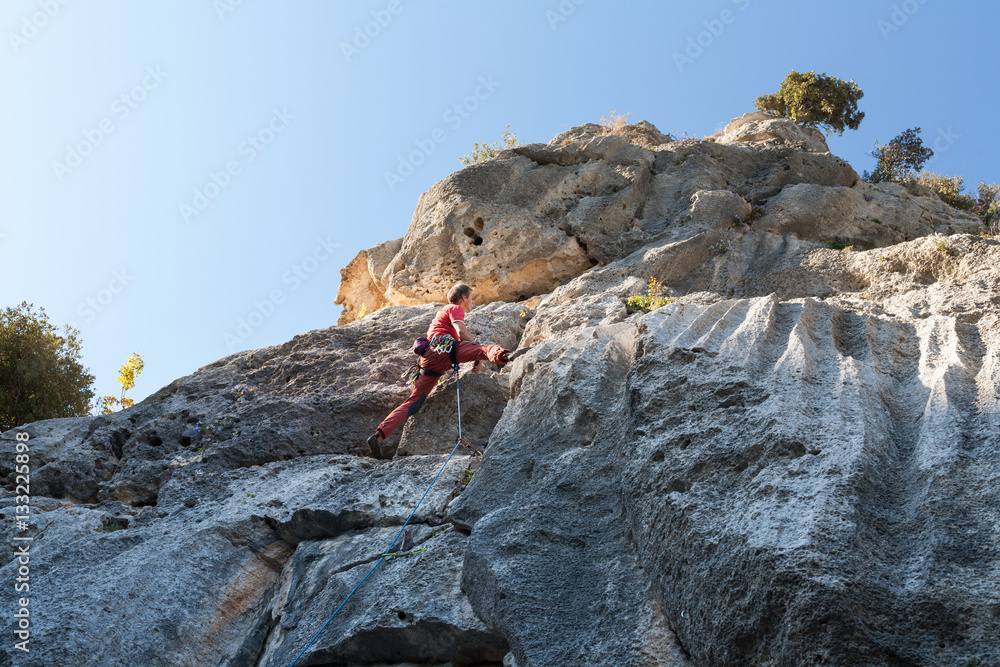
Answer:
(388, 551)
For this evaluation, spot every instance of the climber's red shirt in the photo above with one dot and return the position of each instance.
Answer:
(442, 323)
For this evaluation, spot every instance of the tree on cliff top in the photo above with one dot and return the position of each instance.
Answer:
(901, 158)
(816, 101)
(41, 376)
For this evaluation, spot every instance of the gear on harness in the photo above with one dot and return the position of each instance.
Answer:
(442, 343)
(445, 344)
(411, 374)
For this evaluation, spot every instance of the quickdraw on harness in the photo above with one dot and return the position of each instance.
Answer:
(411, 374)
(445, 344)
(442, 343)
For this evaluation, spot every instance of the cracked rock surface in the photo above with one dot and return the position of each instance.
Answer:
(794, 460)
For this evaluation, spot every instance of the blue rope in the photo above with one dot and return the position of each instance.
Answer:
(389, 548)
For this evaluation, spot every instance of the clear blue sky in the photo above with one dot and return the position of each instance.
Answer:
(118, 112)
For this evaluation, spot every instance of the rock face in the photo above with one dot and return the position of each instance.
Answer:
(793, 462)
(767, 129)
(527, 221)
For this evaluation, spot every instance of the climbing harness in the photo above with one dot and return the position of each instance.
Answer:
(442, 343)
(388, 552)
(445, 344)
(411, 374)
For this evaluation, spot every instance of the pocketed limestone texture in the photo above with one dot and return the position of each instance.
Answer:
(792, 460)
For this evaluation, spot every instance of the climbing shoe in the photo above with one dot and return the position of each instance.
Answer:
(375, 446)
(511, 356)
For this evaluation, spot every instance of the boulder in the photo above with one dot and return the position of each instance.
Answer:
(760, 127)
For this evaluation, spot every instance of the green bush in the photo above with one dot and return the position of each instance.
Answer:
(987, 202)
(899, 159)
(484, 152)
(816, 101)
(948, 188)
(655, 297)
(41, 376)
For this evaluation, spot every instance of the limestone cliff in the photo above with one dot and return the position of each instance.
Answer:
(794, 462)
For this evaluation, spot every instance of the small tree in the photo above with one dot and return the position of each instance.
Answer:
(987, 202)
(816, 101)
(126, 378)
(41, 376)
(900, 159)
(484, 152)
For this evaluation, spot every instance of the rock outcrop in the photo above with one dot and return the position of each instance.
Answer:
(527, 221)
(794, 461)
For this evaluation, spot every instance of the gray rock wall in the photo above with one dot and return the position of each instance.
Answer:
(792, 462)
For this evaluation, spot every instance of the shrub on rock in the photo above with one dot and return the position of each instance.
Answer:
(816, 101)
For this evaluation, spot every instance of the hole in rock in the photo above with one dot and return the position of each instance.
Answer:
(478, 223)
(469, 231)
(679, 486)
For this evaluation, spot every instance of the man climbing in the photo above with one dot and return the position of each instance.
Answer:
(451, 343)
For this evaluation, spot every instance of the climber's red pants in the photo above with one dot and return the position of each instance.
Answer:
(440, 363)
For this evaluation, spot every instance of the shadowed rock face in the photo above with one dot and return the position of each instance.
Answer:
(794, 462)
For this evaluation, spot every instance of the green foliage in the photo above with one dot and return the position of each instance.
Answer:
(838, 243)
(484, 152)
(899, 159)
(461, 484)
(987, 205)
(972, 662)
(392, 554)
(243, 390)
(108, 525)
(816, 101)
(949, 189)
(655, 297)
(126, 378)
(41, 376)
(210, 432)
